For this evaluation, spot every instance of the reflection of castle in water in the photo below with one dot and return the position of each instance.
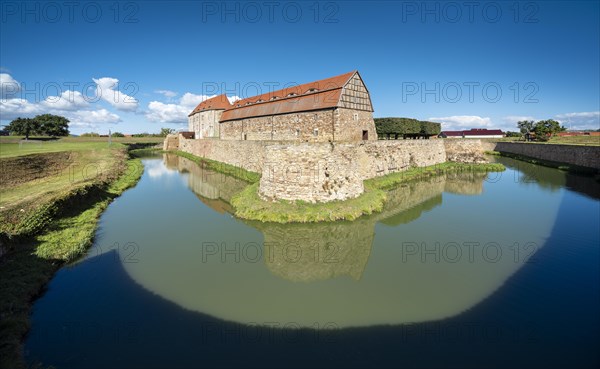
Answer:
(319, 251)
(212, 188)
(311, 252)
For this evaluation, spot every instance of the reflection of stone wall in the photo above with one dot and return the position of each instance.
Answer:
(465, 183)
(407, 202)
(319, 251)
(205, 182)
(313, 252)
(412, 194)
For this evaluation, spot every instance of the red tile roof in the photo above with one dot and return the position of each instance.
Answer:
(482, 131)
(220, 102)
(316, 95)
(453, 133)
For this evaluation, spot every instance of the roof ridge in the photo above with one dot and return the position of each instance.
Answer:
(290, 89)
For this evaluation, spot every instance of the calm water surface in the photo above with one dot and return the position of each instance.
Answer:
(468, 270)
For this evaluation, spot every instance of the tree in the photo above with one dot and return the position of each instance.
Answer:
(166, 131)
(544, 129)
(526, 127)
(405, 127)
(118, 134)
(53, 125)
(23, 126)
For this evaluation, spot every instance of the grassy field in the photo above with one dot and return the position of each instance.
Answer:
(51, 196)
(568, 140)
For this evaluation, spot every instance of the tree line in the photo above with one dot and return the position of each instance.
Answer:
(405, 128)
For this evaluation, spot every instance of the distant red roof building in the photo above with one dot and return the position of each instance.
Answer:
(474, 133)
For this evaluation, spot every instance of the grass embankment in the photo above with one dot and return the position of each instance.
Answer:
(248, 204)
(51, 223)
(565, 140)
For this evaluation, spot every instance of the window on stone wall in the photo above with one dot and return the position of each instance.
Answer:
(297, 132)
(316, 116)
(316, 132)
(355, 116)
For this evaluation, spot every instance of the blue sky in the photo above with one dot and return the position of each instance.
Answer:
(139, 66)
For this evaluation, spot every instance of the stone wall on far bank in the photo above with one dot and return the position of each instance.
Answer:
(583, 156)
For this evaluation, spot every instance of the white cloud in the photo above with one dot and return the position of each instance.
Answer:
(581, 120)
(460, 122)
(13, 108)
(167, 93)
(514, 119)
(94, 116)
(107, 89)
(190, 100)
(177, 113)
(157, 169)
(68, 100)
(167, 113)
(8, 86)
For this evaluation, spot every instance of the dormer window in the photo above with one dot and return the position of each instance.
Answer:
(292, 94)
(274, 98)
(312, 90)
(259, 100)
(248, 103)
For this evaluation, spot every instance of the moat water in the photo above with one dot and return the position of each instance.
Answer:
(467, 270)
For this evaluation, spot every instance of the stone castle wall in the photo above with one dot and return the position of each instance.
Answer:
(324, 171)
(464, 150)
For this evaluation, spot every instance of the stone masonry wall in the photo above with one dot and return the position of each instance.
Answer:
(378, 158)
(284, 127)
(585, 156)
(349, 125)
(248, 155)
(311, 172)
(323, 171)
(464, 150)
(337, 125)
